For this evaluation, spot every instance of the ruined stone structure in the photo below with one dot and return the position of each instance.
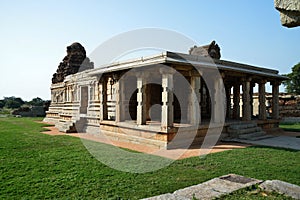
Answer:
(289, 12)
(212, 50)
(289, 108)
(142, 102)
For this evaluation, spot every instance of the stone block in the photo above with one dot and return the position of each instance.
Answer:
(167, 196)
(282, 188)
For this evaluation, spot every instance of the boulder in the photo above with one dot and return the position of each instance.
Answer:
(281, 187)
(289, 12)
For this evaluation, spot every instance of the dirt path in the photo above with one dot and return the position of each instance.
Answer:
(172, 153)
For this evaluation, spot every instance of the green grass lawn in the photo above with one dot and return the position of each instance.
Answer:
(39, 166)
(290, 127)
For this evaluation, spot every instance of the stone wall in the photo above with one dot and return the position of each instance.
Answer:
(289, 107)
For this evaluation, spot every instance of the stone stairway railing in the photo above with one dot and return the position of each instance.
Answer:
(74, 126)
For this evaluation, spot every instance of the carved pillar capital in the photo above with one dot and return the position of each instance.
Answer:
(262, 81)
(167, 70)
(246, 79)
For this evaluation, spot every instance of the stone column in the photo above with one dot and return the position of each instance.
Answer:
(148, 101)
(167, 113)
(141, 100)
(236, 101)
(246, 100)
(194, 110)
(64, 95)
(262, 100)
(103, 98)
(228, 100)
(218, 101)
(120, 97)
(275, 100)
(72, 94)
(77, 93)
(96, 92)
(203, 97)
(252, 85)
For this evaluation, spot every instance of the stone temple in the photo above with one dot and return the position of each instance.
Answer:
(149, 100)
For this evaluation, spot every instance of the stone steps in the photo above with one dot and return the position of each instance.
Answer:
(66, 127)
(246, 131)
(242, 126)
(72, 127)
(81, 125)
(252, 135)
(133, 139)
(262, 137)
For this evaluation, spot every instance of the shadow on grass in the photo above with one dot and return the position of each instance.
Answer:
(275, 148)
(291, 129)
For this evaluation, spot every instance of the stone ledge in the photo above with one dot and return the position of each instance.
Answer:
(211, 189)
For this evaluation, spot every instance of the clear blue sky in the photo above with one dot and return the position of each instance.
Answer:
(34, 34)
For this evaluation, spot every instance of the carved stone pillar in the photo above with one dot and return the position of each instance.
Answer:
(64, 95)
(141, 100)
(72, 93)
(275, 100)
(67, 94)
(194, 110)
(167, 114)
(218, 101)
(252, 85)
(103, 98)
(236, 101)
(228, 100)
(246, 99)
(120, 94)
(96, 92)
(262, 100)
(204, 104)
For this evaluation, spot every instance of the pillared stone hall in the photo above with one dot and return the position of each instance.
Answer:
(149, 99)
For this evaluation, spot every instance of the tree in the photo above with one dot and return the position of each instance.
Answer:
(293, 84)
(36, 102)
(2, 103)
(13, 102)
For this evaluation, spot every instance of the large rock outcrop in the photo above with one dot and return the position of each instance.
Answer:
(289, 12)
(73, 62)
